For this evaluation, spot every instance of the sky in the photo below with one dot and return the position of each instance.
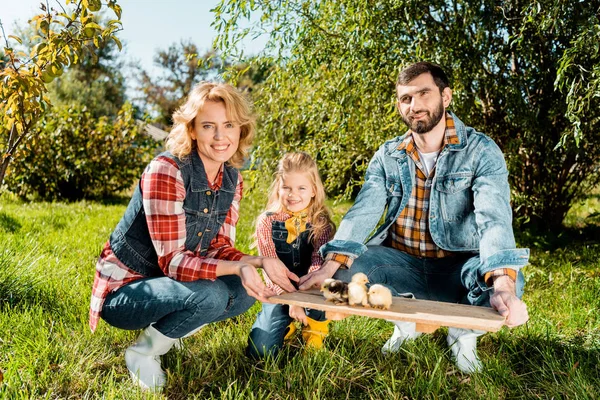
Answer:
(148, 25)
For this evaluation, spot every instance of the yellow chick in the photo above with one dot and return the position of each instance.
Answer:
(357, 290)
(335, 290)
(380, 297)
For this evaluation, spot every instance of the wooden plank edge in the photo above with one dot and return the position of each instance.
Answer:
(419, 318)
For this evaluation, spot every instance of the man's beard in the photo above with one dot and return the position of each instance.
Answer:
(427, 124)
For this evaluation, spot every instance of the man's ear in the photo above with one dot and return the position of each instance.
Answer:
(447, 96)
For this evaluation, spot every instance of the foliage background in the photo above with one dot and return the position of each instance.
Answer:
(524, 72)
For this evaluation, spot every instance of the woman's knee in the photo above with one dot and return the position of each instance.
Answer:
(212, 298)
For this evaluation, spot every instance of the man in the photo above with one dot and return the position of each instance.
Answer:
(447, 234)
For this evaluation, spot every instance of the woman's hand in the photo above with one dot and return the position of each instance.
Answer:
(297, 313)
(279, 274)
(253, 283)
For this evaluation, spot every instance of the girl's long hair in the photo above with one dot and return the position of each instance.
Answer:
(318, 213)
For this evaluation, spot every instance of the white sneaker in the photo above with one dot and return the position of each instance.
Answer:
(143, 359)
(403, 331)
(463, 344)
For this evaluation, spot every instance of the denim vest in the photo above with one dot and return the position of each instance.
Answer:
(469, 204)
(205, 212)
(297, 256)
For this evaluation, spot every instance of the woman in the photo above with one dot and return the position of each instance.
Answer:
(170, 266)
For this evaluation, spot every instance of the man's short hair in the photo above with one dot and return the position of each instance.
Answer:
(412, 71)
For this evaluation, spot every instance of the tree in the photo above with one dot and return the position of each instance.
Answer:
(182, 67)
(63, 38)
(98, 84)
(89, 145)
(524, 72)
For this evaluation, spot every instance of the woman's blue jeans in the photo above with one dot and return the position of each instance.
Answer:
(452, 279)
(175, 308)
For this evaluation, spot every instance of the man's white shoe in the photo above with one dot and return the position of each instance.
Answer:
(143, 358)
(403, 331)
(463, 344)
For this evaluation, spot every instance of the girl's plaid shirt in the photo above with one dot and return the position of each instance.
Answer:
(266, 247)
(163, 193)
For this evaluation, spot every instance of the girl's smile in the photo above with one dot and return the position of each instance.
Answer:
(296, 191)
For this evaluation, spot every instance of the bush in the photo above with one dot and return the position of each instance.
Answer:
(74, 155)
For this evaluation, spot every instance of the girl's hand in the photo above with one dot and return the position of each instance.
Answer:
(253, 283)
(298, 314)
(279, 274)
(315, 279)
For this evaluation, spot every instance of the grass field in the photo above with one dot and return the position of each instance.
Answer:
(47, 257)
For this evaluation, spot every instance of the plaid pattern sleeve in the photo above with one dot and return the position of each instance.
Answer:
(222, 246)
(344, 260)
(266, 247)
(316, 259)
(163, 195)
(489, 277)
(111, 274)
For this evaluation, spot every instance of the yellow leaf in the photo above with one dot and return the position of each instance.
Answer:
(118, 42)
(18, 39)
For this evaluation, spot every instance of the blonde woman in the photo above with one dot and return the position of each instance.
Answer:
(294, 226)
(170, 266)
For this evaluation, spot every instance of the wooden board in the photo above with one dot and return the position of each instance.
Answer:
(428, 315)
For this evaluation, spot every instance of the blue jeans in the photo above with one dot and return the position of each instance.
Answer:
(175, 308)
(451, 279)
(268, 331)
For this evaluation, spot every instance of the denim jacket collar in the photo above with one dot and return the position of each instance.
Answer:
(198, 179)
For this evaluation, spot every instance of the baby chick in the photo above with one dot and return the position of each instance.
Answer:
(357, 290)
(380, 297)
(335, 290)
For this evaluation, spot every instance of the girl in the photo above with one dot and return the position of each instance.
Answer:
(170, 266)
(294, 226)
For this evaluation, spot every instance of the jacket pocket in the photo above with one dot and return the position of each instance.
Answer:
(456, 197)
(394, 188)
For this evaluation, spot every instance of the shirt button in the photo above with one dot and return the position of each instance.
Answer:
(296, 264)
(208, 192)
(205, 210)
(199, 233)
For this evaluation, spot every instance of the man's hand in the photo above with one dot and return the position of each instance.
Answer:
(315, 279)
(505, 301)
(279, 274)
(297, 313)
(253, 284)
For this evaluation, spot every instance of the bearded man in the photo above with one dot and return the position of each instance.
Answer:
(447, 234)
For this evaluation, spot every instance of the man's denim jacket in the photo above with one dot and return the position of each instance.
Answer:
(469, 207)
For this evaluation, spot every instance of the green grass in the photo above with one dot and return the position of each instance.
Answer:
(47, 258)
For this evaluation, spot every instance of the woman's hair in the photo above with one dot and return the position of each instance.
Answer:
(318, 213)
(238, 110)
